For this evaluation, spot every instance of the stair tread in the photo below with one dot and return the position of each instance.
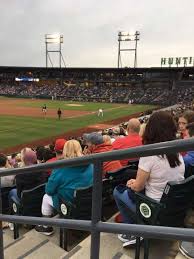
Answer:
(48, 251)
(20, 247)
(34, 245)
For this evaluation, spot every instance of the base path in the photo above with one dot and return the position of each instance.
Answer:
(11, 107)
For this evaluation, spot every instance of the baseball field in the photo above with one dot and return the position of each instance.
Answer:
(22, 122)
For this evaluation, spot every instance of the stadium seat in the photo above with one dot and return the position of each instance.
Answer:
(5, 200)
(30, 205)
(81, 208)
(133, 164)
(189, 171)
(121, 176)
(176, 200)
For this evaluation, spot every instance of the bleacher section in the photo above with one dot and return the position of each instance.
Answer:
(143, 85)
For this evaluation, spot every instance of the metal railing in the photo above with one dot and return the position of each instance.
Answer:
(95, 226)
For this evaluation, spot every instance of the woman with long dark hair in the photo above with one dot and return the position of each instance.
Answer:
(154, 171)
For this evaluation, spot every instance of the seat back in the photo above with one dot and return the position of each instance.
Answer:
(189, 171)
(177, 198)
(121, 176)
(5, 199)
(82, 204)
(107, 192)
(133, 164)
(31, 201)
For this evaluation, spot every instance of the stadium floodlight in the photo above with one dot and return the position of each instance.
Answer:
(124, 36)
(53, 38)
(57, 39)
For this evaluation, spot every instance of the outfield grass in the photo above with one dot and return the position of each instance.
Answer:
(15, 130)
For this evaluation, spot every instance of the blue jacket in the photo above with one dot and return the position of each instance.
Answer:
(189, 159)
(64, 181)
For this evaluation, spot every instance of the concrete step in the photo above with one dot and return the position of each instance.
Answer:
(111, 248)
(7, 239)
(8, 235)
(47, 251)
(33, 245)
(180, 256)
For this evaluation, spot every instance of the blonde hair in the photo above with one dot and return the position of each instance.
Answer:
(72, 149)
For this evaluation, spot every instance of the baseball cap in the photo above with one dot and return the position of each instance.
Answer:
(94, 138)
(59, 144)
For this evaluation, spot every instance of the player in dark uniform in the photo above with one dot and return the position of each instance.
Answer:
(59, 113)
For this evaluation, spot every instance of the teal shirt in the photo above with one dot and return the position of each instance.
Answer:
(64, 181)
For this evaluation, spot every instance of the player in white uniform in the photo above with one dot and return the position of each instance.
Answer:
(100, 112)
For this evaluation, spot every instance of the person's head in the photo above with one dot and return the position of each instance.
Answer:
(28, 157)
(39, 153)
(160, 128)
(52, 147)
(13, 156)
(122, 131)
(72, 149)
(116, 131)
(93, 139)
(184, 119)
(190, 129)
(110, 132)
(104, 132)
(47, 154)
(59, 145)
(3, 160)
(133, 126)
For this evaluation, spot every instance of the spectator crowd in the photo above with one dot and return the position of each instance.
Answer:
(149, 94)
(152, 175)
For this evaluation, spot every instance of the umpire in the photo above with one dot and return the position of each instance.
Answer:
(59, 113)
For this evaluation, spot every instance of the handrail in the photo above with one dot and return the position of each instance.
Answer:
(95, 226)
(140, 151)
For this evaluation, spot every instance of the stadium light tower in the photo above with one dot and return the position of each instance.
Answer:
(124, 37)
(57, 40)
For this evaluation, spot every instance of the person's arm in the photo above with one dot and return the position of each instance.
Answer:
(138, 184)
(144, 169)
(52, 185)
(20, 183)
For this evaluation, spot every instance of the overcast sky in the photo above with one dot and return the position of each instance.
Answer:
(90, 30)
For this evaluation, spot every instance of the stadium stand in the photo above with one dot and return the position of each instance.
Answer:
(157, 86)
(154, 86)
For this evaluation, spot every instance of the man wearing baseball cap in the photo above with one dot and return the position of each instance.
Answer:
(59, 145)
(96, 144)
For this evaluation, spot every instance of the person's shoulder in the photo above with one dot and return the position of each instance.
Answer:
(118, 141)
